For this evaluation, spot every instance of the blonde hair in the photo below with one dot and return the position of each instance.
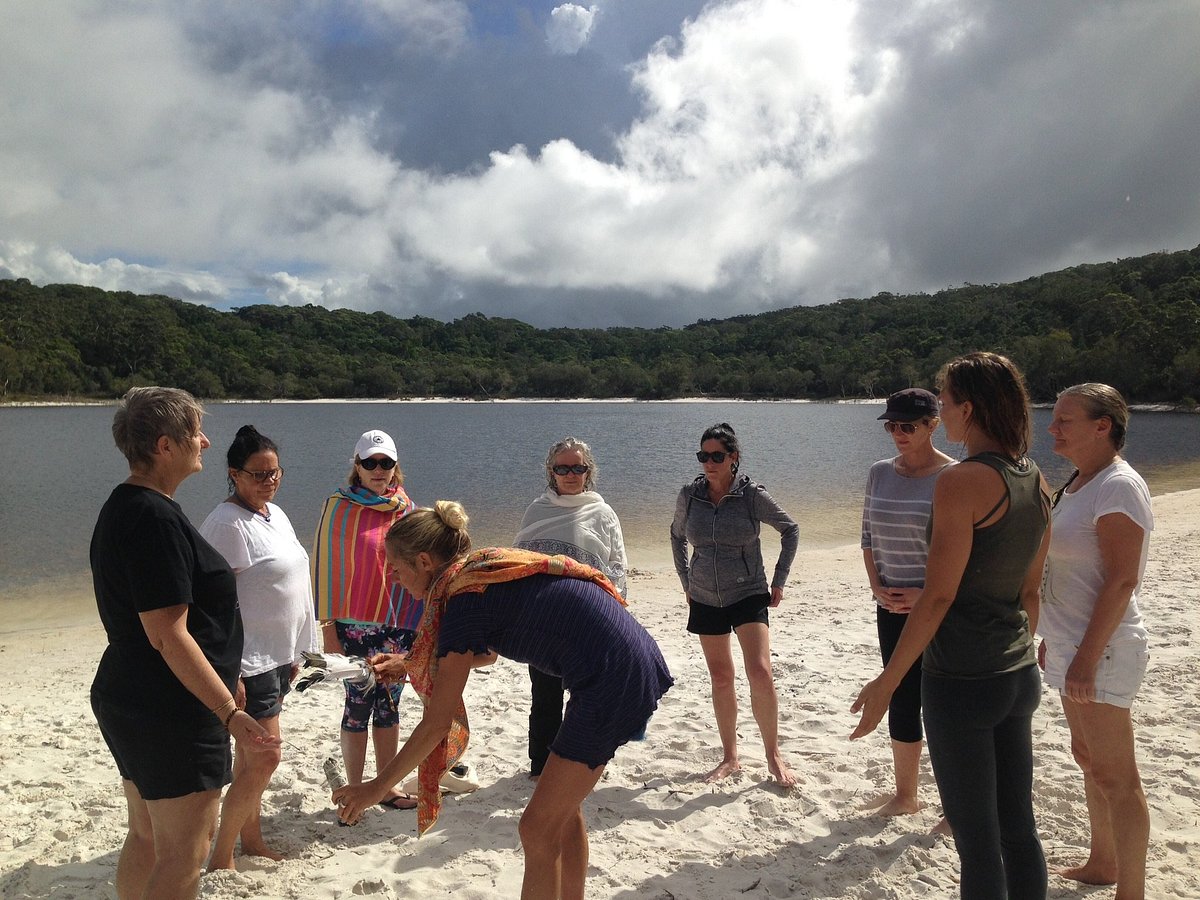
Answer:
(354, 480)
(147, 413)
(441, 532)
(1101, 401)
(572, 443)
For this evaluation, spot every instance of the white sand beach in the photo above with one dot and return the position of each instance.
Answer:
(656, 830)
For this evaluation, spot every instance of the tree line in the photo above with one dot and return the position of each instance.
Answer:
(1133, 323)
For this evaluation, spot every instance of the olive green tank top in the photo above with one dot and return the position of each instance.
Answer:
(986, 632)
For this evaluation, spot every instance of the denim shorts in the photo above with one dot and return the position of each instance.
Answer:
(265, 692)
(1118, 676)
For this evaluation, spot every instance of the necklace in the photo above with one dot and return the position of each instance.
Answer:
(265, 516)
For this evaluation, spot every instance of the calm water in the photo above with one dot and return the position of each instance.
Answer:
(58, 464)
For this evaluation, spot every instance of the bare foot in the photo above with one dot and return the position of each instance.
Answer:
(942, 828)
(783, 774)
(900, 806)
(215, 865)
(1089, 873)
(723, 771)
(262, 850)
(874, 802)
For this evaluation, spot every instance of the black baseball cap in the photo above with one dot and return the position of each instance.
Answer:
(909, 405)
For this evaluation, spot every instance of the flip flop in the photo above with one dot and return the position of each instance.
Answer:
(402, 801)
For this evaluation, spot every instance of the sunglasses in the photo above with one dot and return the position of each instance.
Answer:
(906, 427)
(371, 464)
(717, 456)
(567, 470)
(264, 476)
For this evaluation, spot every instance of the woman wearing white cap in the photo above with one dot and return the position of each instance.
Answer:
(361, 610)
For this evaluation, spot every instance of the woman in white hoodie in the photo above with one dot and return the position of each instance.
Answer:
(570, 519)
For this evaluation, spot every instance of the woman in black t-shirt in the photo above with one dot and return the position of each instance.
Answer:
(163, 693)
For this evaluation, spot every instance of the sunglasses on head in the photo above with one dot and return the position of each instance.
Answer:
(717, 456)
(578, 469)
(371, 464)
(906, 427)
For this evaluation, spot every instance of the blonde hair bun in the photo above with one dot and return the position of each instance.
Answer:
(452, 514)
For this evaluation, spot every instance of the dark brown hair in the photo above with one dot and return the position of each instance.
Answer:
(999, 399)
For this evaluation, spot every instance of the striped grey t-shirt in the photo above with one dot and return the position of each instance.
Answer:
(894, 523)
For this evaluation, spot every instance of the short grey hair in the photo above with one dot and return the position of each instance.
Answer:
(572, 443)
(147, 413)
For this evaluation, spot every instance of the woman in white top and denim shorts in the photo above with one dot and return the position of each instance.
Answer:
(1094, 646)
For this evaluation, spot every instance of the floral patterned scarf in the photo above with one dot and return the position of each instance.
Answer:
(471, 574)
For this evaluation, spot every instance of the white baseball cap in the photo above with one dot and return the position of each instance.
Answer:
(375, 442)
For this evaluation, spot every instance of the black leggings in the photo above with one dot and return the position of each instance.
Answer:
(545, 716)
(981, 747)
(904, 712)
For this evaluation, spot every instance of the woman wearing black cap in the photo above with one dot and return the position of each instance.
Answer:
(896, 509)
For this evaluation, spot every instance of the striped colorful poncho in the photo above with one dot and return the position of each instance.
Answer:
(348, 564)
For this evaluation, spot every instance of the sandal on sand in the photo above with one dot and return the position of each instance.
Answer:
(458, 779)
(401, 801)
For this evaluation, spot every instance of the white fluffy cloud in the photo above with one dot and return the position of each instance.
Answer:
(773, 152)
(50, 264)
(715, 179)
(569, 27)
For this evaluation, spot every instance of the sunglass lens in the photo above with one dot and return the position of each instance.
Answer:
(372, 464)
(717, 456)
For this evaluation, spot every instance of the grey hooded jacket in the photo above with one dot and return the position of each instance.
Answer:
(726, 564)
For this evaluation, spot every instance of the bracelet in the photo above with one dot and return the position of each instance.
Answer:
(223, 705)
(229, 717)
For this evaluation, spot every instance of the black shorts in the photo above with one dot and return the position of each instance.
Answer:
(705, 619)
(266, 690)
(165, 755)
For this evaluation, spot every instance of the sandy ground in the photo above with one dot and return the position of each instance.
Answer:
(656, 830)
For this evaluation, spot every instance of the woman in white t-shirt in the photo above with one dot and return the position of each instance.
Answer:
(1094, 647)
(275, 598)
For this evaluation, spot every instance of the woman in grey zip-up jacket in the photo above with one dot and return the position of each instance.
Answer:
(725, 584)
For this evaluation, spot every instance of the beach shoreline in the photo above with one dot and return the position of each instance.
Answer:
(851, 401)
(656, 831)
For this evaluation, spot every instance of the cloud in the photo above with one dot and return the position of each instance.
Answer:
(54, 265)
(569, 27)
(740, 123)
(696, 160)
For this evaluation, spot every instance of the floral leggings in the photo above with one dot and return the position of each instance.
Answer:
(377, 704)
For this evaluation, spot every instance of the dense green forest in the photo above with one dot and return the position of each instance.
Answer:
(1134, 323)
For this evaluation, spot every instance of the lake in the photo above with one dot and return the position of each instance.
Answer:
(58, 464)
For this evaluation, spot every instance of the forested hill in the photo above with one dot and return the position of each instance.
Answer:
(1133, 323)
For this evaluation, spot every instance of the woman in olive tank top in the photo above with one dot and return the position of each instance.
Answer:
(973, 626)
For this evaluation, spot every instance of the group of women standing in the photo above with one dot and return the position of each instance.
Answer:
(967, 562)
(954, 553)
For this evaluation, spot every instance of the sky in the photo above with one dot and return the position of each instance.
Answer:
(623, 162)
